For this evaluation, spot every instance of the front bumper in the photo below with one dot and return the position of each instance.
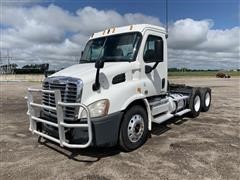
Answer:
(105, 131)
(97, 131)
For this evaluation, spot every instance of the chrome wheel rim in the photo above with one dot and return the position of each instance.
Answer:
(207, 99)
(197, 103)
(135, 128)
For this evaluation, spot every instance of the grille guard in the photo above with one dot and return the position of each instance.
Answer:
(71, 91)
(33, 119)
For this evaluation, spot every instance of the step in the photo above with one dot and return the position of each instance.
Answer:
(180, 113)
(163, 118)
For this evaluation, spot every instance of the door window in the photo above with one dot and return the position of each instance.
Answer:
(153, 50)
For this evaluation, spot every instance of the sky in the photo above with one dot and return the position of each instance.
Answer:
(203, 34)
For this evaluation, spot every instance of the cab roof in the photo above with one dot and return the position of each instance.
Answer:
(125, 29)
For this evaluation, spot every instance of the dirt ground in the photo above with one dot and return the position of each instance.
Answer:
(207, 147)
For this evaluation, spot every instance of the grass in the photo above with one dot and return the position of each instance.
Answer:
(202, 73)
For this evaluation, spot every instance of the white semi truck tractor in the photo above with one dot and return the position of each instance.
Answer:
(115, 94)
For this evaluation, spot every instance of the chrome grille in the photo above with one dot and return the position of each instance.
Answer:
(70, 92)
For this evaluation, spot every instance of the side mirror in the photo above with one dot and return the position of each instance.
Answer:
(80, 57)
(45, 74)
(99, 64)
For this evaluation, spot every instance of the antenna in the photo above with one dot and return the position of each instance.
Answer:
(166, 20)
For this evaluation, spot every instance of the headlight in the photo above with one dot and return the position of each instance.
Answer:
(97, 109)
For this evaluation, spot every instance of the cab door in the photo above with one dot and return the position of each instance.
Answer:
(154, 64)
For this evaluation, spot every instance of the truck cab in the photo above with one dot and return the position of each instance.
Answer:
(115, 93)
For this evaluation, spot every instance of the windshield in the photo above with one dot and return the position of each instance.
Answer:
(116, 48)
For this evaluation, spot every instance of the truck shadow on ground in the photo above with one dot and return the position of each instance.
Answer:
(87, 155)
(94, 154)
(158, 129)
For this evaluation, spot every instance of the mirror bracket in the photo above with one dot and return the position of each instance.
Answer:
(149, 69)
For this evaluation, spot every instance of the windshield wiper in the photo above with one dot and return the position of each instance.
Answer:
(105, 59)
(85, 61)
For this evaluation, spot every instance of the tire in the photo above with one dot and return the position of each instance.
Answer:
(206, 99)
(195, 103)
(134, 129)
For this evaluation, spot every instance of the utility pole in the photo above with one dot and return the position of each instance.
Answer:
(166, 20)
(1, 57)
(8, 62)
(1, 71)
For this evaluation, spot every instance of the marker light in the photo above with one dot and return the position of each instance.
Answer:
(113, 30)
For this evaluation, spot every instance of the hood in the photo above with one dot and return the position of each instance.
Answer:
(87, 71)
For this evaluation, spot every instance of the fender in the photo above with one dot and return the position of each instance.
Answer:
(132, 99)
(147, 106)
(150, 117)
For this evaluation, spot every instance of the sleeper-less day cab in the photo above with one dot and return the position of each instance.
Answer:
(119, 88)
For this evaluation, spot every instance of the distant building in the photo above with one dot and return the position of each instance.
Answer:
(41, 67)
(7, 68)
(32, 69)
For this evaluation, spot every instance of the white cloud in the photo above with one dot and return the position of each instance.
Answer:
(55, 35)
(222, 40)
(86, 20)
(198, 35)
(92, 19)
(186, 33)
(51, 34)
(194, 44)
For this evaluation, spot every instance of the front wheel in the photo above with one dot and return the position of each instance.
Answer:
(134, 130)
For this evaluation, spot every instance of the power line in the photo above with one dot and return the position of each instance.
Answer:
(8, 67)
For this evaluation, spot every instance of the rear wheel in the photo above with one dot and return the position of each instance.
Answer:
(195, 103)
(134, 130)
(206, 99)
